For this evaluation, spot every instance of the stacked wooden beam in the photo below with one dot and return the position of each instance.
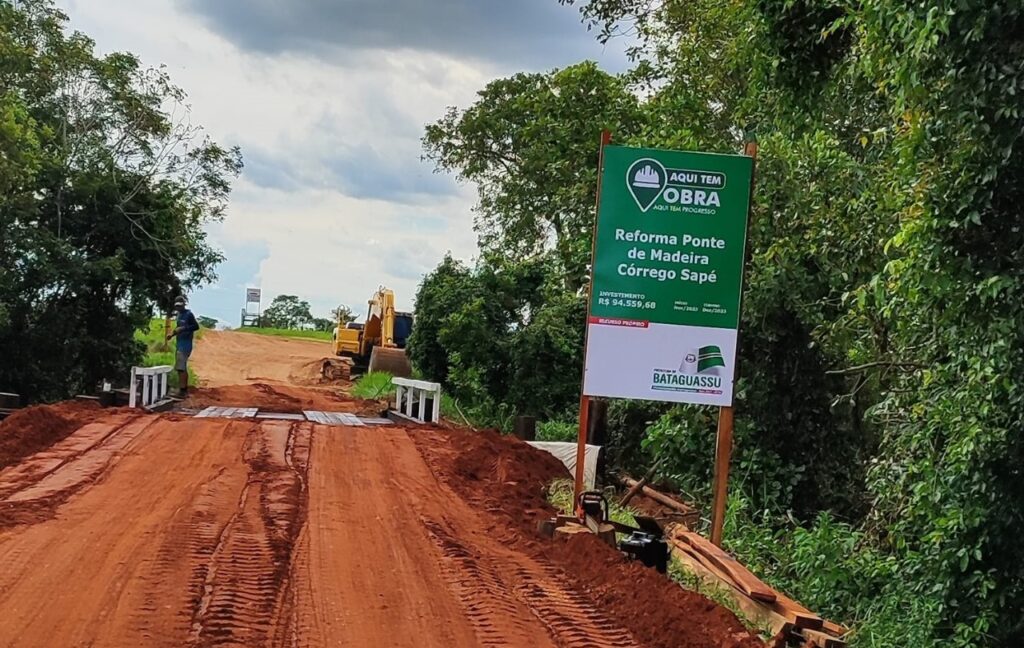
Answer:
(763, 605)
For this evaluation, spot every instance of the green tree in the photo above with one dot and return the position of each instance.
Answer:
(496, 334)
(287, 312)
(887, 241)
(324, 323)
(104, 201)
(530, 143)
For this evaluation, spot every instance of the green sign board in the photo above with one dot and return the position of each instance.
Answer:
(667, 275)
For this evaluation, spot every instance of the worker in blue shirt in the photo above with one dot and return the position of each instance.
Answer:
(184, 329)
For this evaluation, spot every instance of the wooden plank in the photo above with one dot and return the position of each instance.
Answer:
(10, 401)
(744, 579)
(834, 628)
(376, 421)
(756, 612)
(822, 639)
(315, 416)
(803, 617)
(280, 416)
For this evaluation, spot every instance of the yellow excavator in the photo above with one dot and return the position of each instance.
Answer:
(378, 344)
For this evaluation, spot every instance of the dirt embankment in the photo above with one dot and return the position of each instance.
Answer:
(280, 398)
(27, 431)
(507, 478)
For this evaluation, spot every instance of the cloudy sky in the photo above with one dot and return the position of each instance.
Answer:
(328, 99)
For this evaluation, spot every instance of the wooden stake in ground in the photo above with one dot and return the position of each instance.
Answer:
(723, 444)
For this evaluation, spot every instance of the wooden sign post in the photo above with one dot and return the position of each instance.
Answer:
(723, 442)
(581, 437)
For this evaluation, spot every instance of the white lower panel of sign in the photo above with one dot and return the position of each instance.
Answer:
(663, 362)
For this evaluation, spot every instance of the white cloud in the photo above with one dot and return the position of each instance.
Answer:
(321, 135)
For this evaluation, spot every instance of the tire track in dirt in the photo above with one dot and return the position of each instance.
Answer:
(99, 572)
(245, 582)
(490, 579)
(483, 594)
(201, 532)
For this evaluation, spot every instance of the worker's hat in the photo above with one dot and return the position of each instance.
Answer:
(180, 300)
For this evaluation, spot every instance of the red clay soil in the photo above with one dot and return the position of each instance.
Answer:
(507, 478)
(32, 429)
(281, 398)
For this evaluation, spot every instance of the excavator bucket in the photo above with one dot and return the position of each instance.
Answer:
(393, 361)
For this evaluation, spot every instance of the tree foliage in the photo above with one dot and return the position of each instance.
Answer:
(103, 199)
(287, 312)
(530, 143)
(496, 333)
(879, 434)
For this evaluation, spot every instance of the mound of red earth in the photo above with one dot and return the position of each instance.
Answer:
(29, 430)
(508, 478)
(280, 398)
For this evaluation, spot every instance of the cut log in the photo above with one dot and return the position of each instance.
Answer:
(638, 486)
(660, 497)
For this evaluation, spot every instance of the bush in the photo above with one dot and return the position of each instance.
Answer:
(373, 386)
(557, 431)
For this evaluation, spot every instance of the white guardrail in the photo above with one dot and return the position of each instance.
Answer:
(416, 394)
(148, 385)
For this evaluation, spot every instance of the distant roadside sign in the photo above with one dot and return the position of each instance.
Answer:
(668, 274)
(252, 295)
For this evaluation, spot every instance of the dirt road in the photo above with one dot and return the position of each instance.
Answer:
(178, 532)
(122, 529)
(232, 358)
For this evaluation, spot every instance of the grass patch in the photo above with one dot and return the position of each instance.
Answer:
(557, 431)
(373, 386)
(326, 336)
(481, 416)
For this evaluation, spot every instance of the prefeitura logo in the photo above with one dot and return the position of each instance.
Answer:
(699, 372)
